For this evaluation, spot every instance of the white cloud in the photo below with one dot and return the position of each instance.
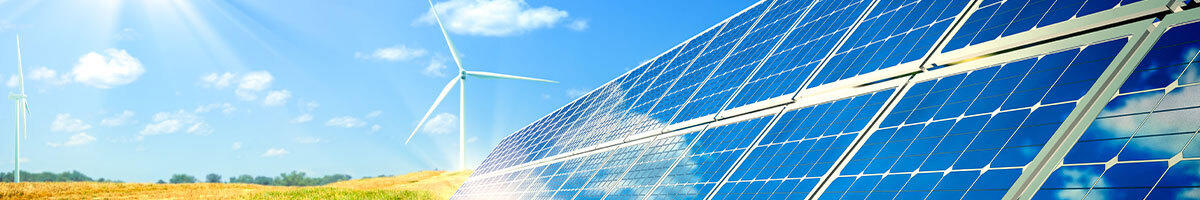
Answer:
(442, 123)
(171, 122)
(307, 140)
(274, 152)
(277, 97)
(65, 123)
(74, 140)
(49, 76)
(436, 68)
(309, 106)
(12, 81)
(237, 145)
(125, 117)
(214, 80)
(472, 139)
(302, 119)
(113, 68)
(248, 86)
(578, 25)
(394, 53)
(494, 17)
(376, 128)
(345, 122)
(253, 82)
(575, 93)
(225, 108)
(374, 114)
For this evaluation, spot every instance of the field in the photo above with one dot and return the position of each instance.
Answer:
(417, 185)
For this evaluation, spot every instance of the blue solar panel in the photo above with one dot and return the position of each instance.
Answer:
(893, 33)
(1145, 136)
(969, 128)
(733, 71)
(706, 63)
(813, 36)
(801, 148)
(708, 160)
(989, 122)
(995, 19)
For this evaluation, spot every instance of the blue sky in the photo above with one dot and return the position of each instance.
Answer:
(139, 90)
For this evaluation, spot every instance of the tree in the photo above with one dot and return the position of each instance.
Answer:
(182, 178)
(244, 178)
(51, 177)
(213, 178)
(293, 178)
(263, 180)
(160, 181)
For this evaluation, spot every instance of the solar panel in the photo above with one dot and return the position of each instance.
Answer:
(800, 149)
(884, 99)
(813, 35)
(893, 33)
(997, 19)
(989, 122)
(1141, 144)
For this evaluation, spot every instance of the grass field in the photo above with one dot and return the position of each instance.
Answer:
(417, 185)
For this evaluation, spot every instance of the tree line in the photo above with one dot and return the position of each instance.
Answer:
(68, 176)
(294, 178)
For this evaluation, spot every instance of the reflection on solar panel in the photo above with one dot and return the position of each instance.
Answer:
(885, 99)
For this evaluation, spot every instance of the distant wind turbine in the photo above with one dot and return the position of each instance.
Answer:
(22, 116)
(462, 75)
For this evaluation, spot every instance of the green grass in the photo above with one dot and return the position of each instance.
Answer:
(341, 193)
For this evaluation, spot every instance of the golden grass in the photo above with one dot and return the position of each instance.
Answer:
(417, 185)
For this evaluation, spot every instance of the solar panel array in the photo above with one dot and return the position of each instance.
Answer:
(885, 99)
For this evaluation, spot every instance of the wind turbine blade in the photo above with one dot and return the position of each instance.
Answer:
(453, 52)
(20, 69)
(435, 105)
(505, 76)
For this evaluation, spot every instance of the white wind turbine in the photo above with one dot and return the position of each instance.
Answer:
(22, 116)
(462, 75)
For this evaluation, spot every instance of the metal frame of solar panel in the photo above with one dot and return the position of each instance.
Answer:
(907, 99)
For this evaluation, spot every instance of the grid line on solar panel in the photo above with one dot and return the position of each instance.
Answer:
(987, 122)
(1142, 143)
(896, 32)
(738, 65)
(785, 70)
(807, 142)
(997, 19)
(647, 169)
(705, 64)
(706, 160)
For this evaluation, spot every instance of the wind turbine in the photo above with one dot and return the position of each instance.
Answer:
(22, 116)
(460, 79)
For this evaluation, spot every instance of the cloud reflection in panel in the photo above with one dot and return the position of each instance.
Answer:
(1146, 131)
(968, 136)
